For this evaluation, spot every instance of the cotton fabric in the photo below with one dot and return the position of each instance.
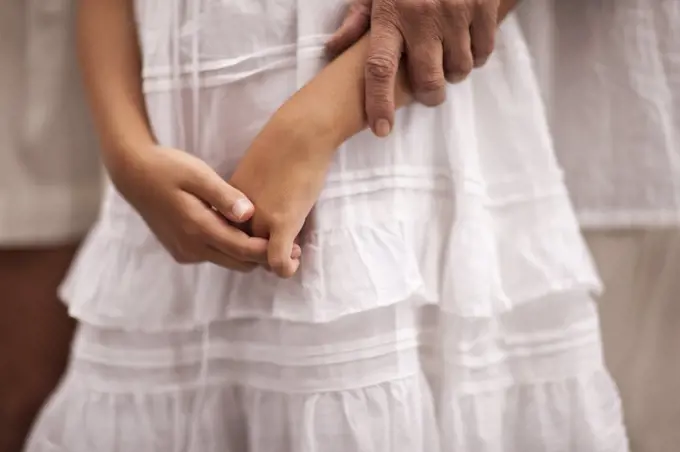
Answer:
(443, 301)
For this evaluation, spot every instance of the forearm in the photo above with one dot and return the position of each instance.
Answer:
(111, 66)
(332, 104)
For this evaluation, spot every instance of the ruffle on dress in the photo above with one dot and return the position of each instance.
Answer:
(396, 379)
(495, 256)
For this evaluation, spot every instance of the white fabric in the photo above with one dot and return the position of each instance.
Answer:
(392, 379)
(49, 170)
(640, 316)
(610, 71)
(443, 298)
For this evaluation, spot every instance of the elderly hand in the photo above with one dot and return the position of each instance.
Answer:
(443, 41)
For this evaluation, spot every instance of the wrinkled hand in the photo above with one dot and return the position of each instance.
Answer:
(443, 41)
(283, 176)
(187, 205)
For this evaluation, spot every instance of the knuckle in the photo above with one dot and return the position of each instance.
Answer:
(380, 67)
(431, 82)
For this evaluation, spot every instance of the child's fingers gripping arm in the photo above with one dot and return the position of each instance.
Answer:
(111, 64)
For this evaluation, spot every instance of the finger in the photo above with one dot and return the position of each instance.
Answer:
(233, 242)
(208, 227)
(426, 69)
(386, 45)
(355, 25)
(247, 229)
(424, 53)
(208, 186)
(483, 33)
(281, 242)
(218, 258)
(458, 61)
(297, 251)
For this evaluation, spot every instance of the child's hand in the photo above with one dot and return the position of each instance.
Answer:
(187, 204)
(283, 174)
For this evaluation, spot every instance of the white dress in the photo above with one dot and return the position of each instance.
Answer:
(610, 73)
(443, 301)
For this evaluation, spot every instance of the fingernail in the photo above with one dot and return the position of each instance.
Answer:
(382, 128)
(240, 208)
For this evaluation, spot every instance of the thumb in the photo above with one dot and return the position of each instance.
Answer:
(355, 25)
(217, 193)
(280, 250)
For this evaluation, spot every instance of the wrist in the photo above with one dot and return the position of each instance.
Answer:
(308, 131)
(125, 157)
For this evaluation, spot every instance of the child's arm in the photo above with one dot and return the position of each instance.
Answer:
(334, 99)
(111, 68)
(285, 167)
(170, 189)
